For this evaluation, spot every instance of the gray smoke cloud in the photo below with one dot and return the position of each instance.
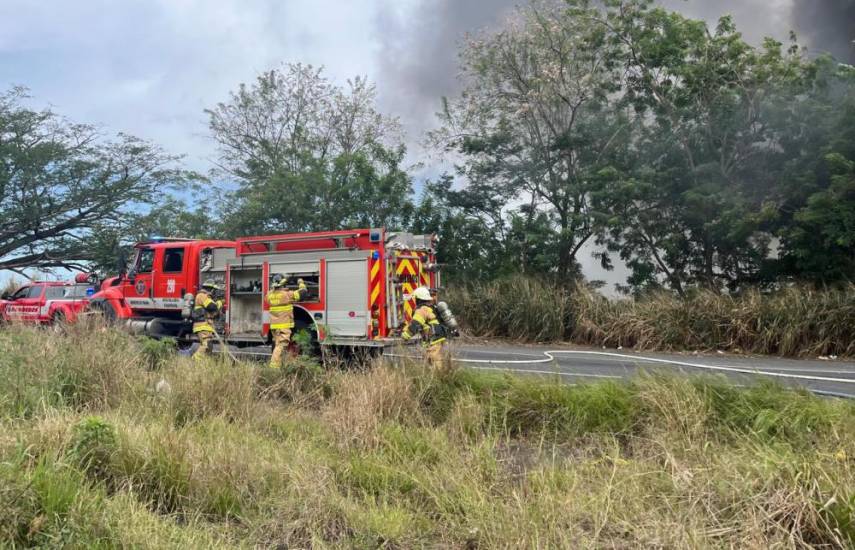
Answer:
(827, 26)
(755, 19)
(418, 62)
(419, 41)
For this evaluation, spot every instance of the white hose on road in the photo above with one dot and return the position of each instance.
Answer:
(550, 357)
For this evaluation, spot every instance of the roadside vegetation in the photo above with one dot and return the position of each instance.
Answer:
(796, 321)
(107, 441)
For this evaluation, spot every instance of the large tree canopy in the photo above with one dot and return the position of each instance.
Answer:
(697, 158)
(60, 182)
(534, 123)
(309, 155)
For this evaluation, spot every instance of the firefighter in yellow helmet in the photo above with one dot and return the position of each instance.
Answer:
(205, 311)
(426, 324)
(281, 302)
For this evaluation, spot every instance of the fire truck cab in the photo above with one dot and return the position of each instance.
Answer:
(149, 297)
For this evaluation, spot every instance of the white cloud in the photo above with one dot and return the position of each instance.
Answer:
(150, 68)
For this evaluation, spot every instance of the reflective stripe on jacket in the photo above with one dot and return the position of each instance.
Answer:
(205, 310)
(281, 306)
(426, 324)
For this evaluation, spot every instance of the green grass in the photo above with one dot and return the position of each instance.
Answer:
(795, 321)
(92, 454)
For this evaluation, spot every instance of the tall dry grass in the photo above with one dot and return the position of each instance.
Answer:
(149, 450)
(795, 321)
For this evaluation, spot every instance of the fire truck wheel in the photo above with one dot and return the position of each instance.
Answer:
(59, 321)
(105, 309)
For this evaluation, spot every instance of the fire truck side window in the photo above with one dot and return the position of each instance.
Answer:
(173, 260)
(145, 260)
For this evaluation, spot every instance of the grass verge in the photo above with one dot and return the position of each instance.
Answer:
(101, 446)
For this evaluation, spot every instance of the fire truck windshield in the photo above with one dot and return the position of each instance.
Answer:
(145, 260)
(27, 292)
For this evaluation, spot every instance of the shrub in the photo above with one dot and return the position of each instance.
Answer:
(156, 352)
(94, 446)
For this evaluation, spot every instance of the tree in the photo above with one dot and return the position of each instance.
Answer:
(700, 204)
(536, 122)
(816, 225)
(309, 155)
(471, 247)
(821, 242)
(60, 182)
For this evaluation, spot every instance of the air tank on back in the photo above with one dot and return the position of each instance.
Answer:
(447, 317)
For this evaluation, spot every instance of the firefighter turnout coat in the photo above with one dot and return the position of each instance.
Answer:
(281, 302)
(205, 311)
(425, 323)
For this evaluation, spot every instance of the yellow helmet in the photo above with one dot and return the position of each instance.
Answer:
(423, 294)
(211, 284)
(279, 280)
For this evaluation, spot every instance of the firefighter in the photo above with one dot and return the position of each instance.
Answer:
(281, 302)
(205, 311)
(426, 324)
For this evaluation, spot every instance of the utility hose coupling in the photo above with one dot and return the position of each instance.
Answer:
(447, 317)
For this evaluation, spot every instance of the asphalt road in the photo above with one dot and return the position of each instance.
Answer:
(575, 364)
(831, 377)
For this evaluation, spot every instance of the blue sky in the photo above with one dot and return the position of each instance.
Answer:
(149, 68)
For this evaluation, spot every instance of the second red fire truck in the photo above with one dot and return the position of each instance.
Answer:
(360, 281)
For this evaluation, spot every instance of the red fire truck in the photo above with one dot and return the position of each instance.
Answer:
(360, 283)
(48, 302)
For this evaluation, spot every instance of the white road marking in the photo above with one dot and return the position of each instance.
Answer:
(550, 357)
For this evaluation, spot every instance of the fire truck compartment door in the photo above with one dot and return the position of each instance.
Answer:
(347, 297)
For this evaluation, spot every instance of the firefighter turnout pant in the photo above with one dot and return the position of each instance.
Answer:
(281, 341)
(435, 357)
(206, 342)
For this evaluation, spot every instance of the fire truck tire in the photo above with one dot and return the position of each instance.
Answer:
(106, 310)
(59, 321)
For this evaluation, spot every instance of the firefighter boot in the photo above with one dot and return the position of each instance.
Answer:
(206, 341)
(281, 341)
